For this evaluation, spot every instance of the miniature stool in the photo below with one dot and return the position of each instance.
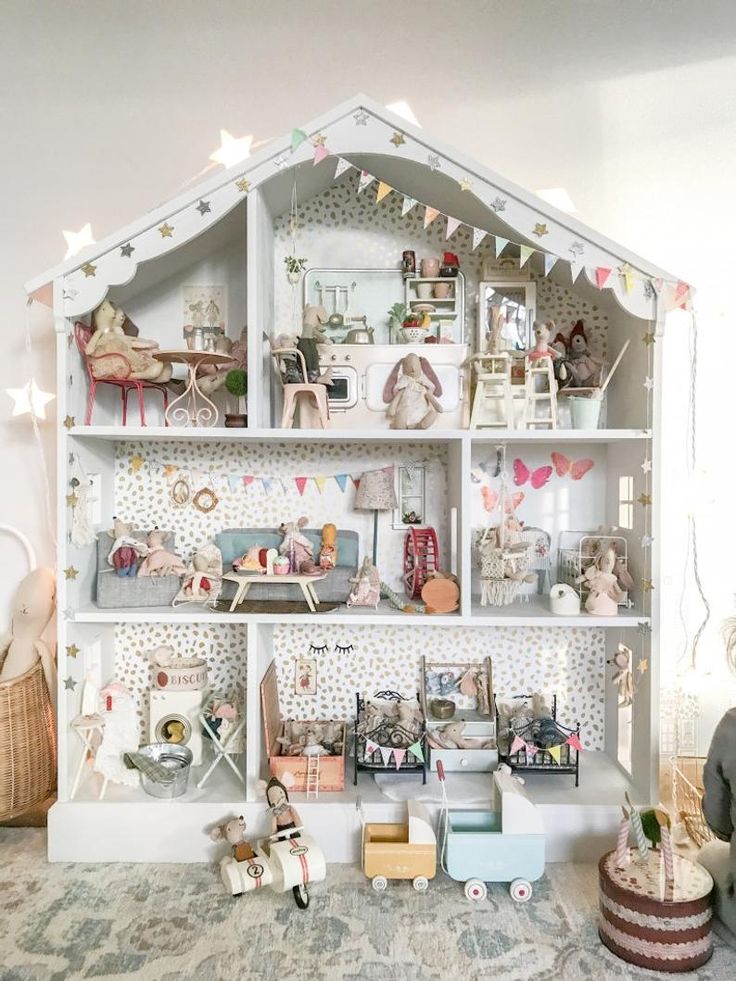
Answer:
(295, 392)
(224, 749)
(541, 368)
(492, 391)
(86, 726)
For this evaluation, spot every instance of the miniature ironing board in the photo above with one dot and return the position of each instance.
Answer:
(222, 750)
(86, 727)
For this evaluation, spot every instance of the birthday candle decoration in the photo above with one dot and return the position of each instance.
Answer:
(666, 837)
(623, 856)
(641, 839)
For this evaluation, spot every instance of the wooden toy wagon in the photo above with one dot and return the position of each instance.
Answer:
(401, 851)
(502, 845)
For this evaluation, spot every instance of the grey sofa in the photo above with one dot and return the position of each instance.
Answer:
(114, 592)
(234, 542)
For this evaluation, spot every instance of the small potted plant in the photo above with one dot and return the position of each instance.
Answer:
(236, 382)
(294, 268)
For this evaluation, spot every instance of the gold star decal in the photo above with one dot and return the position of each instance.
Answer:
(649, 338)
(136, 462)
(166, 230)
(170, 469)
(319, 140)
(72, 650)
(72, 500)
(644, 499)
(243, 185)
(69, 422)
(541, 229)
(70, 572)
(642, 666)
(89, 269)
(647, 585)
(465, 184)
(397, 139)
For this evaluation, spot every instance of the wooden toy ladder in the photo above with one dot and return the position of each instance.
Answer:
(493, 400)
(533, 395)
(313, 776)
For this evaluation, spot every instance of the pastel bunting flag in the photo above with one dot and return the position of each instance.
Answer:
(370, 747)
(364, 180)
(658, 284)
(386, 752)
(298, 136)
(399, 755)
(525, 252)
(627, 275)
(356, 481)
(342, 166)
(320, 482)
(452, 226)
(267, 484)
(301, 483)
(416, 751)
(518, 744)
(341, 479)
(429, 215)
(383, 190)
(501, 244)
(554, 752)
(573, 741)
(601, 276)
(549, 261)
(233, 480)
(478, 235)
(320, 152)
(247, 480)
(530, 750)
(407, 204)
(682, 291)
(575, 269)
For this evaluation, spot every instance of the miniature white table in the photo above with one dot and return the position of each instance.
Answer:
(195, 408)
(87, 727)
(246, 581)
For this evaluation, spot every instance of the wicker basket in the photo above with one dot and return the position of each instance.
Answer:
(27, 743)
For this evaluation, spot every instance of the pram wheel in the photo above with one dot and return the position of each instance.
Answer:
(421, 883)
(379, 883)
(521, 890)
(475, 890)
(301, 896)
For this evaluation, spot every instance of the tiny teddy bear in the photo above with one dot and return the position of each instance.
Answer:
(233, 832)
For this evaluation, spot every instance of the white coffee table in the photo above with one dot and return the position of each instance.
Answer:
(244, 582)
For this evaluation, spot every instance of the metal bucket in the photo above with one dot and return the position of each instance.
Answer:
(585, 413)
(176, 758)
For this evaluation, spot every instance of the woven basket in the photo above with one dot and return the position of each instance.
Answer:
(27, 743)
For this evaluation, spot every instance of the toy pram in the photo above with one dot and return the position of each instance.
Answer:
(289, 859)
(502, 845)
(401, 851)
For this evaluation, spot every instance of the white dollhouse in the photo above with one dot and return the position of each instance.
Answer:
(351, 192)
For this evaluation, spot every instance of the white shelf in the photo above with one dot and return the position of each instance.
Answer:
(536, 613)
(557, 435)
(221, 787)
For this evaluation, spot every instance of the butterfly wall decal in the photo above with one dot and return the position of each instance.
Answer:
(537, 478)
(491, 500)
(576, 469)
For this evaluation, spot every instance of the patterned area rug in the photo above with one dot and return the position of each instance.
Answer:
(175, 922)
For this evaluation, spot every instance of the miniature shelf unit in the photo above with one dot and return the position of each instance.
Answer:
(240, 244)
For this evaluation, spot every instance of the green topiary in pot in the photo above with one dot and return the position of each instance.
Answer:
(236, 382)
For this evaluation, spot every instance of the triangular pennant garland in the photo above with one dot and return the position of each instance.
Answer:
(573, 742)
(342, 166)
(627, 275)
(518, 744)
(320, 482)
(524, 252)
(386, 752)
(301, 483)
(554, 752)
(320, 152)
(399, 755)
(429, 215)
(233, 480)
(452, 226)
(266, 483)
(407, 204)
(341, 479)
(298, 136)
(478, 235)
(247, 480)
(370, 747)
(416, 751)
(383, 190)
(575, 269)
(501, 244)
(364, 180)
(549, 261)
(601, 276)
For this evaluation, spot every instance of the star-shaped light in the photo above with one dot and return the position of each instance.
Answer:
(89, 269)
(540, 229)
(642, 666)
(69, 422)
(243, 185)
(136, 462)
(649, 338)
(72, 500)
(645, 541)
(72, 650)
(76, 241)
(361, 117)
(232, 150)
(319, 139)
(433, 161)
(577, 248)
(204, 208)
(69, 683)
(498, 204)
(465, 184)
(644, 499)
(648, 383)
(647, 585)
(127, 250)
(30, 399)
(70, 572)
(647, 466)
(170, 469)
(397, 139)
(166, 230)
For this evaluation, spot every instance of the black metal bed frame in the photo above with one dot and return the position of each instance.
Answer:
(384, 735)
(542, 761)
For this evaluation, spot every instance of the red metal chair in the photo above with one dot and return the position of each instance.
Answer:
(83, 333)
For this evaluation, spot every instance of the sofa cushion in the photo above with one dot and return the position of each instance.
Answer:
(234, 542)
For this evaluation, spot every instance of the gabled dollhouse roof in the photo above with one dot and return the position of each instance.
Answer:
(393, 156)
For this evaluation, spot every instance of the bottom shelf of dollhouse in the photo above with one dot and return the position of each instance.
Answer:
(535, 610)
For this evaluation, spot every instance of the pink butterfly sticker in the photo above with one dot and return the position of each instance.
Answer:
(576, 469)
(538, 478)
(490, 498)
(514, 501)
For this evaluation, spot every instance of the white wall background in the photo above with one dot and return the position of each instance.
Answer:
(108, 107)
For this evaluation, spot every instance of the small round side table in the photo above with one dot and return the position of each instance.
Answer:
(192, 407)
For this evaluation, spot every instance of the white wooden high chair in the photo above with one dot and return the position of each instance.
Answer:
(493, 404)
(294, 391)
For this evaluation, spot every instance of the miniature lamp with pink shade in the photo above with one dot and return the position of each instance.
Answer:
(376, 493)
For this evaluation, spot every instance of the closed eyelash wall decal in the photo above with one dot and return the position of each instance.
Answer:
(340, 649)
(317, 648)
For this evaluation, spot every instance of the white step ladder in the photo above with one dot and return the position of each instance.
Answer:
(493, 404)
(537, 371)
(313, 776)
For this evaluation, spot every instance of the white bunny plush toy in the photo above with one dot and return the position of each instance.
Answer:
(22, 645)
